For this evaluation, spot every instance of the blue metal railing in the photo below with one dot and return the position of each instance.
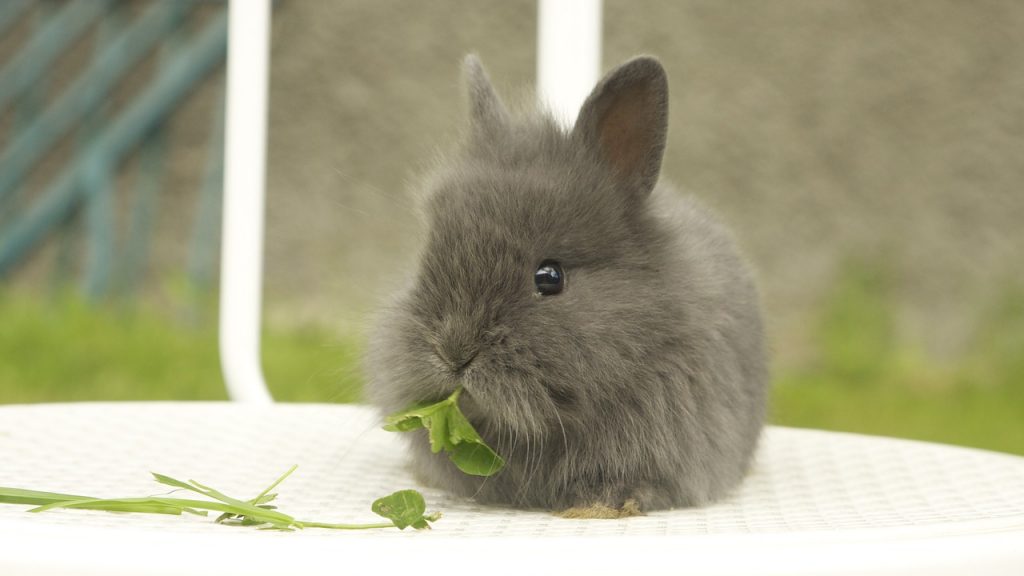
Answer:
(34, 59)
(85, 185)
(11, 12)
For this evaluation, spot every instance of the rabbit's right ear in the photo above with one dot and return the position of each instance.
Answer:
(487, 114)
(625, 120)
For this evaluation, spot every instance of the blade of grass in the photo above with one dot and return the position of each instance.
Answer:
(236, 506)
(244, 508)
(36, 497)
(263, 497)
(305, 524)
(407, 505)
(260, 501)
(174, 482)
(144, 505)
(257, 500)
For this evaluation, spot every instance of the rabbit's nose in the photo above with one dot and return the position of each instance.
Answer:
(456, 342)
(456, 357)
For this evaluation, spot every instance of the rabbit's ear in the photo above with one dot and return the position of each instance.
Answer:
(625, 120)
(487, 114)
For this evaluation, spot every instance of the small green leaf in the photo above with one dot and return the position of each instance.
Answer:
(413, 417)
(404, 508)
(469, 452)
(449, 430)
(476, 459)
(437, 425)
(405, 425)
(460, 430)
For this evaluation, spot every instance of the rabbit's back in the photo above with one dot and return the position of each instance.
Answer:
(720, 369)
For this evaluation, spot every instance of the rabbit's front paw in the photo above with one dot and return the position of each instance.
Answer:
(603, 511)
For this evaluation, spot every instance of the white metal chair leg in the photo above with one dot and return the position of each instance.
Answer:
(244, 175)
(568, 54)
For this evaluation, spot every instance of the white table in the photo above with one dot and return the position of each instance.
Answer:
(815, 503)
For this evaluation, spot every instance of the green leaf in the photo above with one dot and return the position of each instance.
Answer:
(412, 418)
(469, 451)
(405, 424)
(437, 426)
(449, 430)
(460, 430)
(476, 459)
(405, 508)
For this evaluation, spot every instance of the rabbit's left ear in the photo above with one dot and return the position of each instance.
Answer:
(625, 120)
(487, 114)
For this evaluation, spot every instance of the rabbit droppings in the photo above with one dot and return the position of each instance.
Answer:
(605, 331)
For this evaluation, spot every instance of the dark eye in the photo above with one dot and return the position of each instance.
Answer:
(549, 278)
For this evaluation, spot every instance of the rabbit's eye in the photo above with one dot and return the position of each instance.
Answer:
(549, 278)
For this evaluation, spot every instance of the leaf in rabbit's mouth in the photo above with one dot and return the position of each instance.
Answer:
(449, 430)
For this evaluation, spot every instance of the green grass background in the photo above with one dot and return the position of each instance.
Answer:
(859, 376)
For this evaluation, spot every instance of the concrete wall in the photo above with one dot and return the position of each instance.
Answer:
(888, 133)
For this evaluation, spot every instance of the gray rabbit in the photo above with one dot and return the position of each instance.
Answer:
(605, 331)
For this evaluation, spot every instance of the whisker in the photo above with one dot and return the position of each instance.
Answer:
(563, 479)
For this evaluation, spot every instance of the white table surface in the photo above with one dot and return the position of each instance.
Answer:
(815, 503)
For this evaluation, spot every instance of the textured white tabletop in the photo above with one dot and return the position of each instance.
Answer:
(813, 500)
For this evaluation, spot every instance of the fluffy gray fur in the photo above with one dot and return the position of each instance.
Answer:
(645, 378)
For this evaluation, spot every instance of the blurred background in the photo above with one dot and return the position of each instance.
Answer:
(868, 154)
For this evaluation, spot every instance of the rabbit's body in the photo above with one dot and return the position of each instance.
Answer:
(643, 378)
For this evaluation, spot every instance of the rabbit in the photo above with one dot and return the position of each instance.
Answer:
(605, 331)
